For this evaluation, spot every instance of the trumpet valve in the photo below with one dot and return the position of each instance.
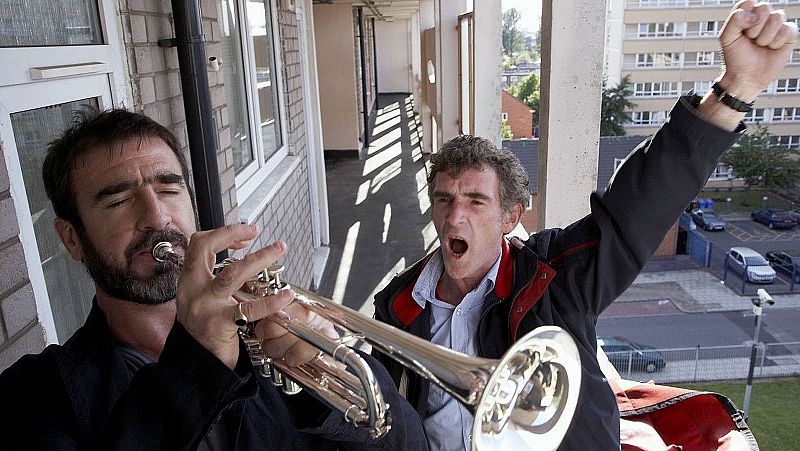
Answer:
(274, 274)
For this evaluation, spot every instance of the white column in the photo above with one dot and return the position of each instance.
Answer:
(447, 13)
(488, 69)
(572, 60)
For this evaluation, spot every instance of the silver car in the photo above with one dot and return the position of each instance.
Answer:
(751, 265)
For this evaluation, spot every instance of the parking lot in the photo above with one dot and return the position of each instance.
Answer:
(742, 231)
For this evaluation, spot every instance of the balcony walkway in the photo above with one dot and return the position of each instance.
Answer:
(379, 219)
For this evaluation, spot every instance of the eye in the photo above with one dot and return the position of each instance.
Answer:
(118, 203)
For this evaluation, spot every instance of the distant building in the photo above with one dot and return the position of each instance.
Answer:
(517, 73)
(613, 150)
(669, 47)
(518, 115)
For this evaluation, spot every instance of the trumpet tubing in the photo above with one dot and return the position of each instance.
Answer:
(525, 399)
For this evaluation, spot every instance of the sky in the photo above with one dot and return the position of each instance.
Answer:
(531, 12)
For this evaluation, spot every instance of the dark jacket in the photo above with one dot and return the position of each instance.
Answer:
(567, 277)
(82, 396)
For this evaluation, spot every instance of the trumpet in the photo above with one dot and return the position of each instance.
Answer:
(524, 399)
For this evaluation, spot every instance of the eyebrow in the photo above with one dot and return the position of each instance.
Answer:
(167, 178)
(471, 195)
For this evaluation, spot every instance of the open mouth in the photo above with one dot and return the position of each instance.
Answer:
(457, 245)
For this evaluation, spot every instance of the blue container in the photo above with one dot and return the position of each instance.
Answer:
(710, 203)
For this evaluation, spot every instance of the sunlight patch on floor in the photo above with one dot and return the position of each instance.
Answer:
(388, 173)
(368, 308)
(388, 153)
(387, 219)
(429, 238)
(363, 189)
(343, 275)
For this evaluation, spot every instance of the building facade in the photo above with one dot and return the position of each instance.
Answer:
(669, 47)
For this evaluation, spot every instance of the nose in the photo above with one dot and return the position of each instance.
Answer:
(153, 213)
(457, 211)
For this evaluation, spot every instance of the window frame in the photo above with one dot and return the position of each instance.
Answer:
(254, 173)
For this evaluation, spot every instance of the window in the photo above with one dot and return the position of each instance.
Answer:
(755, 115)
(790, 141)
(668, 59)
(34, 23)
(701, 87)
(657, 89)
(785, 85)
(644, 60)
(705, 58)
(794, 56)
(505, 116)
(253, 89)
(647, 117)
(785, 114)
(709, 28)
(669, 29)
(617, 163)
(722, 172)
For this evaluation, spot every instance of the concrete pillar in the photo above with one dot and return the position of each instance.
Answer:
(427, 21)
(447, 12)
(572, 61)
(488, 69)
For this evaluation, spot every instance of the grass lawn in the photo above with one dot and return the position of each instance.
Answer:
(774, 406)
(738, 198)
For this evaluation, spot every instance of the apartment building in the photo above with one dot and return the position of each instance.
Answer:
(670, 46)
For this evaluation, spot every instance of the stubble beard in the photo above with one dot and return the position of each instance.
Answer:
(122, 282)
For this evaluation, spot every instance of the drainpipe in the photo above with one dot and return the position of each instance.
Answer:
(362, 45)
(374, 57)
(200, 127)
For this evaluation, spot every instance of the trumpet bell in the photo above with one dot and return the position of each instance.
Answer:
(532, 394)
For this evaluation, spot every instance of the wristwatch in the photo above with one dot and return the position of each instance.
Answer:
(729, 100)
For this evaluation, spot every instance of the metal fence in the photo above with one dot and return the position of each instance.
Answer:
(714, 363)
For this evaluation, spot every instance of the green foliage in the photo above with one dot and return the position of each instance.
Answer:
(761, 164)
(614, 107)
(506, 131)
(527, 91)
(518, 47)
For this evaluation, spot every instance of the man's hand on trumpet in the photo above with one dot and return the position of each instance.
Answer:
(205, 306)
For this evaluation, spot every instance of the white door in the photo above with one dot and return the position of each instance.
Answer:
(65, 60)
(393, 41)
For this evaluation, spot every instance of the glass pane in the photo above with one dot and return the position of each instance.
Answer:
(68, 285)
(235, 92)
(39, 23)
(260, 17)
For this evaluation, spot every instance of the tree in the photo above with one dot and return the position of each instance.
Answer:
(513, 38)
(505, 131)
(761, 164)
(527, 91)
(613, 110)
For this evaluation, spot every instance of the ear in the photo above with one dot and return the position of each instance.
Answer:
(512, 218)
(69, 238)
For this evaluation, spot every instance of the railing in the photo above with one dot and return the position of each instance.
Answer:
(713, 363)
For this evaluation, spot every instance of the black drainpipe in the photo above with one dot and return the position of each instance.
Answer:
(361, 44)
(200, 127)
(374, 57)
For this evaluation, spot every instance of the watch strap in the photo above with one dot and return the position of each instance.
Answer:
(731, 101)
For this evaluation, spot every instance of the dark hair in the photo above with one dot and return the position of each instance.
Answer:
(91, 129)
(471, 152)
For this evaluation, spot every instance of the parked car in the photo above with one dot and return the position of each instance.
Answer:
(707, 219)
(622, 352)
(750, 265)
(795, 214)
(786, 263)
(774, 218)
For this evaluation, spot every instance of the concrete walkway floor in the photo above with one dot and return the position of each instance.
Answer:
(379, 219)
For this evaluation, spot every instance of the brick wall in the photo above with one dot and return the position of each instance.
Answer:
(519, 116)
(20, 332)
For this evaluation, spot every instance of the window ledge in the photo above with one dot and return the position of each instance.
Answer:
(252, 207)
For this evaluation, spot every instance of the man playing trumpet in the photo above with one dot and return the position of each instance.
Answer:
(478, 293)
(158, 363)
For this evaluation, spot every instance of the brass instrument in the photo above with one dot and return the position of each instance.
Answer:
(525, 399)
